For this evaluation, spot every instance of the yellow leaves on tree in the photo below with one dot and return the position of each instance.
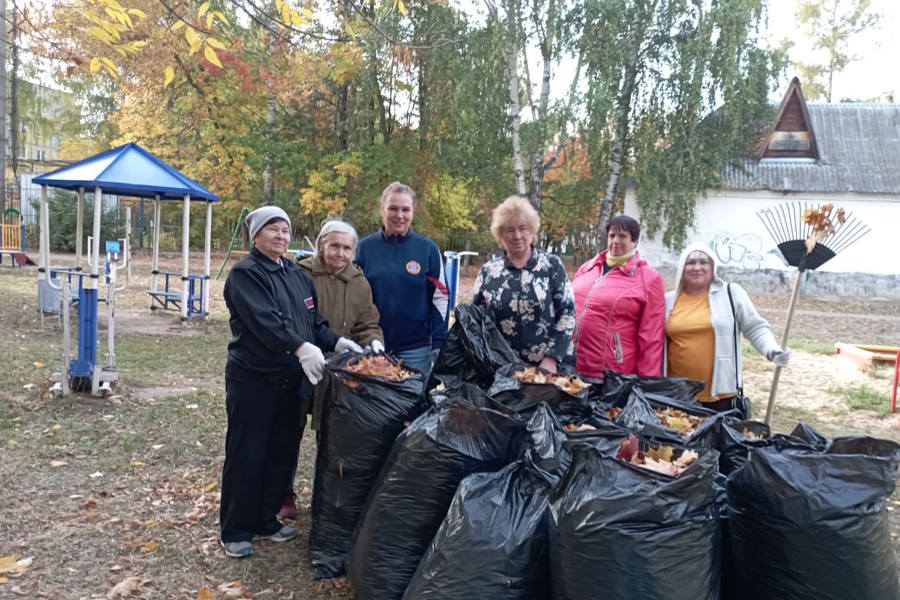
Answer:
(347, 62)
(326, 188)
(111, 24)
(291, 17)
(128, 31)
(450, 204)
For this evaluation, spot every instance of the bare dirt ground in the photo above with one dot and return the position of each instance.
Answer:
(123, 490)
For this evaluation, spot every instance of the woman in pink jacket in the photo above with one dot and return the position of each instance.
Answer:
(620, 308)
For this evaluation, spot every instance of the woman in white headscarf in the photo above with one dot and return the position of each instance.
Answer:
(705, 317)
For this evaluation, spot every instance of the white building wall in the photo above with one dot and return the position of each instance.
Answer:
(728, 222)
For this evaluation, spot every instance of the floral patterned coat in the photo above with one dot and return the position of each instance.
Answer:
(533, 306)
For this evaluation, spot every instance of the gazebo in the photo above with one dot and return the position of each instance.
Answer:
(128, 170)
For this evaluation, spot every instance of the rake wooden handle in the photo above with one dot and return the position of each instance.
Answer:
(784, 340)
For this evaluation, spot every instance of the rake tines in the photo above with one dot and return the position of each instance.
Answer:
(793, 224)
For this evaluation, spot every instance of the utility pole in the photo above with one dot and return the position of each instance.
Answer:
(3, 86)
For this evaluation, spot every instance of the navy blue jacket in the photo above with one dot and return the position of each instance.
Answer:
(408, 285)
(273, 311)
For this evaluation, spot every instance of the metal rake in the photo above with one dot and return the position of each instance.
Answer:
(808, 236)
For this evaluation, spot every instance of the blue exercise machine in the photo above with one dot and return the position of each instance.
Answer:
(451, 271)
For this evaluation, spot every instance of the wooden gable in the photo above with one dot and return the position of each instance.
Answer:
(792, 135)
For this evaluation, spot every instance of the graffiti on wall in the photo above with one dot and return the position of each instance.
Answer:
(744, 250)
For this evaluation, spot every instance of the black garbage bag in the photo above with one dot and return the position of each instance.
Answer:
(475, 349)
(813, 524)
(362, 417)
(733, 438)
(616, 388)
(524, 397)
(621, 532)
(494, 541)
(599, 432)
(414, 490)
(807, 434)
(545, 441)
(645, 416)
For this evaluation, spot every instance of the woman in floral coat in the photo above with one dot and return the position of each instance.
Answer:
(526, 290)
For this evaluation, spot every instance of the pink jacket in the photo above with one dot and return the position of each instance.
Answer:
(619, 318)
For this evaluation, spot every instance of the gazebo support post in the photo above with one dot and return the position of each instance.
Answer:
(207, 249)
(154, 267)
(79, 228)
(185, 254)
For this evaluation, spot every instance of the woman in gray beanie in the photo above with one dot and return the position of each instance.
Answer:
(274, 323)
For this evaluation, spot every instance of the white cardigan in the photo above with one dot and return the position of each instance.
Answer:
(756, 329)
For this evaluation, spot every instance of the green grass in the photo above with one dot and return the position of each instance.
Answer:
(863, 398)
(812, 346)
(163, 360)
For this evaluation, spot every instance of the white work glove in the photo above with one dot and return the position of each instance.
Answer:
(377, 346)
(345, 344)
(312, 360)
(780, 357)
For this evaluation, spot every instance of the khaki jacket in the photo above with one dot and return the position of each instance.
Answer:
(345, 300)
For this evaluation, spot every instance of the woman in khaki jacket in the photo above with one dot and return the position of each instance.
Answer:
(345, 300)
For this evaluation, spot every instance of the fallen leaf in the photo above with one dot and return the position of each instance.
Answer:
(211, 486)
(56, 427)
(137, 463)
(39, 365)
(205, 594)
(232, 589)
(149, 546)
(126, 587)
(12, 442)
(13, 565)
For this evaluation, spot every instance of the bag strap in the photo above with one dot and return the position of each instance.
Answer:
(737, 335)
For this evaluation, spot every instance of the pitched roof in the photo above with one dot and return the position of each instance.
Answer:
(128, 170)
(859, 151)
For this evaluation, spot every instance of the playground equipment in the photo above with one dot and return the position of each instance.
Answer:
(128, 170)
(452, 273)
(12, 238)
(50, 294)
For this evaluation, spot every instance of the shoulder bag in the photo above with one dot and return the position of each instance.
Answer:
(740, 402)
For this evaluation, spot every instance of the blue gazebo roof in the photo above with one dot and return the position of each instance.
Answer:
(128, 170)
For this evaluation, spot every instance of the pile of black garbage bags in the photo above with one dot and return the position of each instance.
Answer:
(477, 485)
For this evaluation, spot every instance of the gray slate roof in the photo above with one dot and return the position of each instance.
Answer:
(859, 151)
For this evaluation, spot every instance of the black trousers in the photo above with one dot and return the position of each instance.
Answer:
(266, 419)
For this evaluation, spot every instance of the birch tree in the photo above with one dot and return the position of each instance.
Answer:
(673, 90)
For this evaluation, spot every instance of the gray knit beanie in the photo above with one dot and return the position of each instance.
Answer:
(261, 217)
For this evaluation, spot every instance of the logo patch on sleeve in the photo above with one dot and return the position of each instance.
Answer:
(310, 303)
(413, 267)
